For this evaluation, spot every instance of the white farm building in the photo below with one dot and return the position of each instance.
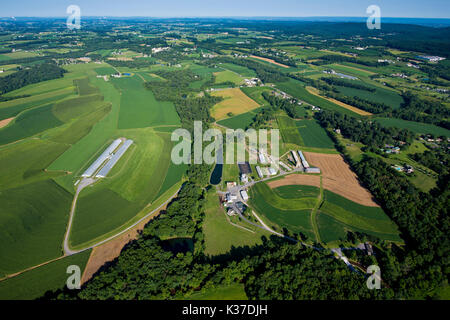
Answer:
(114, 159)
(103, 157)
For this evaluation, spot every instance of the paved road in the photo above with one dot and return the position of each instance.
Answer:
(83, 184)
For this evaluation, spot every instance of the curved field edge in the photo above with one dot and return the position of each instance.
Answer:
(141, 215)
(333, 231)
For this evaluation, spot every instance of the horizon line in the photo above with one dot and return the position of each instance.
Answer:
(233, 17)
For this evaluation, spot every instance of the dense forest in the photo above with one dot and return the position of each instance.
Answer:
(370, 133)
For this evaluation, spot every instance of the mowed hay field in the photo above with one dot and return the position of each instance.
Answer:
(338, 178)
(235, 102)
(279, 212)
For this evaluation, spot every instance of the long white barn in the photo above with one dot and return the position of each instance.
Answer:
(100, 160)
(114, 159)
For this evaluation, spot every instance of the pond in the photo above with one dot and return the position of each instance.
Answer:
(177, 245)
(216, 175)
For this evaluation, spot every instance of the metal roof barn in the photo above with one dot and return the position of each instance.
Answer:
(114, 159)
(103, 157)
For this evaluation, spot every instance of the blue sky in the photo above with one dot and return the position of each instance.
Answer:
(249, 8)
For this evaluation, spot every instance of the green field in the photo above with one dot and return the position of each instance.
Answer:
(313, 135)
(388, 97)
(296, 191)
(255, 93)
(290, 207)
(25, 162)
(33, 219)
(35, 283)
(228, 76)
(417, 127)
(243, 71)
(29, 123)
(289, 130)
(139, 108)
(241, 121)
(12, 108)
(371, 220)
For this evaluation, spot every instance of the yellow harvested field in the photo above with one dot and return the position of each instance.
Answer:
(338, 178)
(235, 101)
(5, 122)
(296, 179)
(315, 92)
(270, 60)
